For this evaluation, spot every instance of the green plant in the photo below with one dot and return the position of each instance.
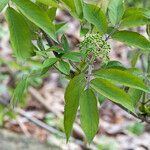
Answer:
(107, 143)
(34, 21)
(5, 112)
(136, 128)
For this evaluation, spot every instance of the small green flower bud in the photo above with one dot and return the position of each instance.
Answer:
(94, 44)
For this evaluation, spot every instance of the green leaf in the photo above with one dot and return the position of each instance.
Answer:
(114, 64)
(40, 44)
(74, 6)
(61, 28)
(122, 77)
(70, 4)
(20, 35)
(148, 30)
(83, 30)
(52, 3)
(134, 21)
(132, 39)
(110, 29)
(33, 29)
(65, 43)
(135, 95)
(52, 13)
(55, 49)
(135, 71)
(3, 3)
(115, 11)
(134, 58)
(48, 63)
(73, 56)
(79, 9)
(19, 91)
(36, 15)
(112, 92)
(103, 5)
(64, 67)
(134, 17)
(136, 128)
(95, 16)
(136, 11)
(72, 94)
(89, 114)
(101, 99)
(2, 115)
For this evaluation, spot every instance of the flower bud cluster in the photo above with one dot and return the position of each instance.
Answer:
(94, 45)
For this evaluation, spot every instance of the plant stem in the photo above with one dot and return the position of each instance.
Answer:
(133, 114)
(89, 77)
(147, 102)
(51, 43)
(113, 31)
(74, 66)
(85, 69)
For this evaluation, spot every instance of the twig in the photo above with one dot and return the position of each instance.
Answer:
(51, 43)
(50, 129)
(147, 102)
(89, 77)
(48, 107)
(113, 31)
(23, 127)
(133, 114)
(38, 122)
(39, 98)
(74, 66)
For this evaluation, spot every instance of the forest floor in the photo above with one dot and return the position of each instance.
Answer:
(20, 142)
